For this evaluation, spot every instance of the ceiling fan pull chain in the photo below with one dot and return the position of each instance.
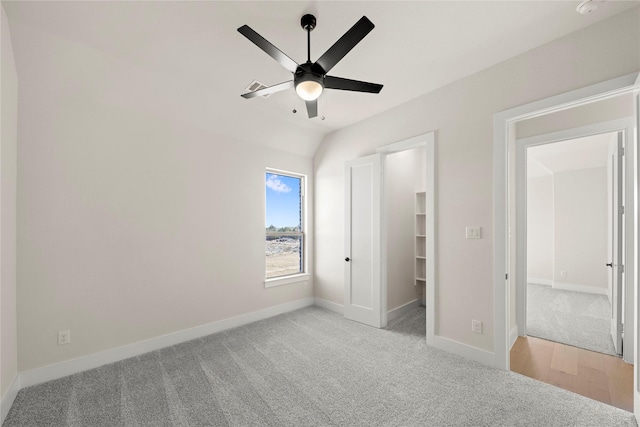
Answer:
(294, 102)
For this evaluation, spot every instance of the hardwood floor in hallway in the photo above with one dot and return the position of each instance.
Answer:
(598, 376)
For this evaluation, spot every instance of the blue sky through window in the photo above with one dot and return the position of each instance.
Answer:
(283, 201)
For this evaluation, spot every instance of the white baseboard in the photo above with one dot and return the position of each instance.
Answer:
(451, 346)
(469, 352)
(539, 281)
(9, 397)
(80, 364)
(329, 305)
(513, 336)
(403, 309)
(579, 288)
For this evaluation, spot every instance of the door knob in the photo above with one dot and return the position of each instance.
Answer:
(610, 265)
(347, 259)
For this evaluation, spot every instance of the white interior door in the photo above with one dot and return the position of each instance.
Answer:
(363, 297)
(617, 234)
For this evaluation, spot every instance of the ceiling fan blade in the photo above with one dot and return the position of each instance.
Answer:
(347, 42)
(312, 108)
(269, 90)
(331, 82)
(270, 49)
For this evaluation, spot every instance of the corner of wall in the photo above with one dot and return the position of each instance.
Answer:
(9, 397)
(9, 380)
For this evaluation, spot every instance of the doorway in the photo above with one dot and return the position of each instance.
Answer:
(506, 229)
(571, 236)
(571, 284)
(508, 234)
(582, 248)
(369, 267)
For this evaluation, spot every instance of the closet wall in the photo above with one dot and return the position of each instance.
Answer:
(405, 174)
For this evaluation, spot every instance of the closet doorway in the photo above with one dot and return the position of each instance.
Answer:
(369, 293)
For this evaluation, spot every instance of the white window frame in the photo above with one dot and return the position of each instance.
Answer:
(297, 278)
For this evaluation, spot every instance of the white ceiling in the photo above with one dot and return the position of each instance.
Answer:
(185, 61)
(580, 153)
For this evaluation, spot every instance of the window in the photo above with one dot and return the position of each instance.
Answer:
(284, 226)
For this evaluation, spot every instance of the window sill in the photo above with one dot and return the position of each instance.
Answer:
(287, 280)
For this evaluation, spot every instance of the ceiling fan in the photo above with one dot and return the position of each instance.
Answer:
(310, 78)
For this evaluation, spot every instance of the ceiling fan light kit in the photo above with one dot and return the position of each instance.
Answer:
(309, 85)
(310, 79)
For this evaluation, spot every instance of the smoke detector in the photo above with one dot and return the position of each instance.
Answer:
(586, 7)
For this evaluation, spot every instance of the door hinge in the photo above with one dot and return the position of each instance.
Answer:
(621, 210)
(621, 327)
(622, 151)
(506, 277)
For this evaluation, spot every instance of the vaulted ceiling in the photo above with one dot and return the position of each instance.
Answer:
(185, 61)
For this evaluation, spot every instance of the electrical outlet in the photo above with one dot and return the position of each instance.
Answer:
(476, 326)
(64, 337)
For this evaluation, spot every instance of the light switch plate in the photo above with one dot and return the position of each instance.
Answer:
(474, 232)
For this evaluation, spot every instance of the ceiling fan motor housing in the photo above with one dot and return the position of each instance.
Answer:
(308, 22)
(307, 72)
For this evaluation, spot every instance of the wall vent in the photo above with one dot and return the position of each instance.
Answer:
(256, 85)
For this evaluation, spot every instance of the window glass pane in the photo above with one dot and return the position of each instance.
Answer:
(283, 225)
(284, 255)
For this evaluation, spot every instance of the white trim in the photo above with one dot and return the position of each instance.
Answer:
(513, 336)
(540, 281)
(403, 309)
(329, 305)
(599, 128)
(430, 285)
(83, 363)
(636, 258)
(579, 288)
(501, 125)
(473, 353)
(287, 280)
(9, 397)
(407, 144)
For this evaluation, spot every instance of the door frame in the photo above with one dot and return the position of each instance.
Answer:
(426, 140)
(614, 126)
(503, 127)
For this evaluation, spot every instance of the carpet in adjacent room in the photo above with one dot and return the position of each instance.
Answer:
(578, 319)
